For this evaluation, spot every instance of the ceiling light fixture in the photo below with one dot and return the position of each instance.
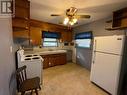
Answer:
(70, 21)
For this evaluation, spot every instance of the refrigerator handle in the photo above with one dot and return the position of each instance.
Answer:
(94, 51)
(95, 45)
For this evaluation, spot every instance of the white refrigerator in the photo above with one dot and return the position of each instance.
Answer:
(106, 62)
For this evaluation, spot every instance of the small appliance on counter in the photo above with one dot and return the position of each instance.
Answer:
(66, 44)
(72, 44)
(32, 61)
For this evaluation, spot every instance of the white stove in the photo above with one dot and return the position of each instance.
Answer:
(34, 63)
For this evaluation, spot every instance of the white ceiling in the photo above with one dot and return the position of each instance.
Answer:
(98, 9)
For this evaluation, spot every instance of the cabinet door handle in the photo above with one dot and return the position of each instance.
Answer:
(49, 64)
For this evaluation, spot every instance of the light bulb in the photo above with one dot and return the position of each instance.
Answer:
(71, 23)
(66, 20)
(74, 20)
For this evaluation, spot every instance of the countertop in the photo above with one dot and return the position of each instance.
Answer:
(45, 52)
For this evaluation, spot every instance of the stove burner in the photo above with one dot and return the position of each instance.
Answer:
(28, 59)
(35, 58)
(28, 56)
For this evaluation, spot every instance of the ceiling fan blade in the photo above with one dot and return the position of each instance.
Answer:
(55, 15)
(82, 16)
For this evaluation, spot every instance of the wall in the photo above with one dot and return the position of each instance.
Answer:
(7, 65)
(84, 56)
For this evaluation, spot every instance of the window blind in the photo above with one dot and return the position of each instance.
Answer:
(84, 35)
(46, 34)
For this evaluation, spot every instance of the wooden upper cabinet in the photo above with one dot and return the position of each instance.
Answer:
(21, 13)
(21, 34)
(120, 18)
(66, 36)
(35, 35)
(22, 9)
(22, 3)
(70, 36)
(20, 23)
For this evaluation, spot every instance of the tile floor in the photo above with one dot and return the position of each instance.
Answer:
(69, 79)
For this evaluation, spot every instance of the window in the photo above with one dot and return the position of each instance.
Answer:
(50, 39)
(84, 43)
(83, 39)
(50, 42)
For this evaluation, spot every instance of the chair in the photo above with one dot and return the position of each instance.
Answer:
(25, 84)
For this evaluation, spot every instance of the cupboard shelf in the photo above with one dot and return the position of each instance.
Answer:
(22, 18)
(20, 23)
(116, 28)
(15, 28)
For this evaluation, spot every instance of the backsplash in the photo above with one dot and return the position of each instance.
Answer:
(60, 46)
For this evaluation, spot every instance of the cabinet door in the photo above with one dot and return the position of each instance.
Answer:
(69, 37)
(46, 61)
(35, 35)
(58, 61)
(56, 58)
(66, 36)
(20, 23)
(62, 59)
(52, 60)
(21, 34)
(22, 3)
(21, 12)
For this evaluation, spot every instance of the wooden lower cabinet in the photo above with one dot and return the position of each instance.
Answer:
(54, 60)
(46, 61)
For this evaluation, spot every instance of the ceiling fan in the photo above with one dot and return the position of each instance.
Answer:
(72, 17)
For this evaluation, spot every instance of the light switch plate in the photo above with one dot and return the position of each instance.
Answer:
(11, 49)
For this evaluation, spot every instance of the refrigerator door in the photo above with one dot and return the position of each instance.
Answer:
(109, 44)
(105, 71)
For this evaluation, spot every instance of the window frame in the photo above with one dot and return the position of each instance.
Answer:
(82, 46)
(82, 36)
(50, 41)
